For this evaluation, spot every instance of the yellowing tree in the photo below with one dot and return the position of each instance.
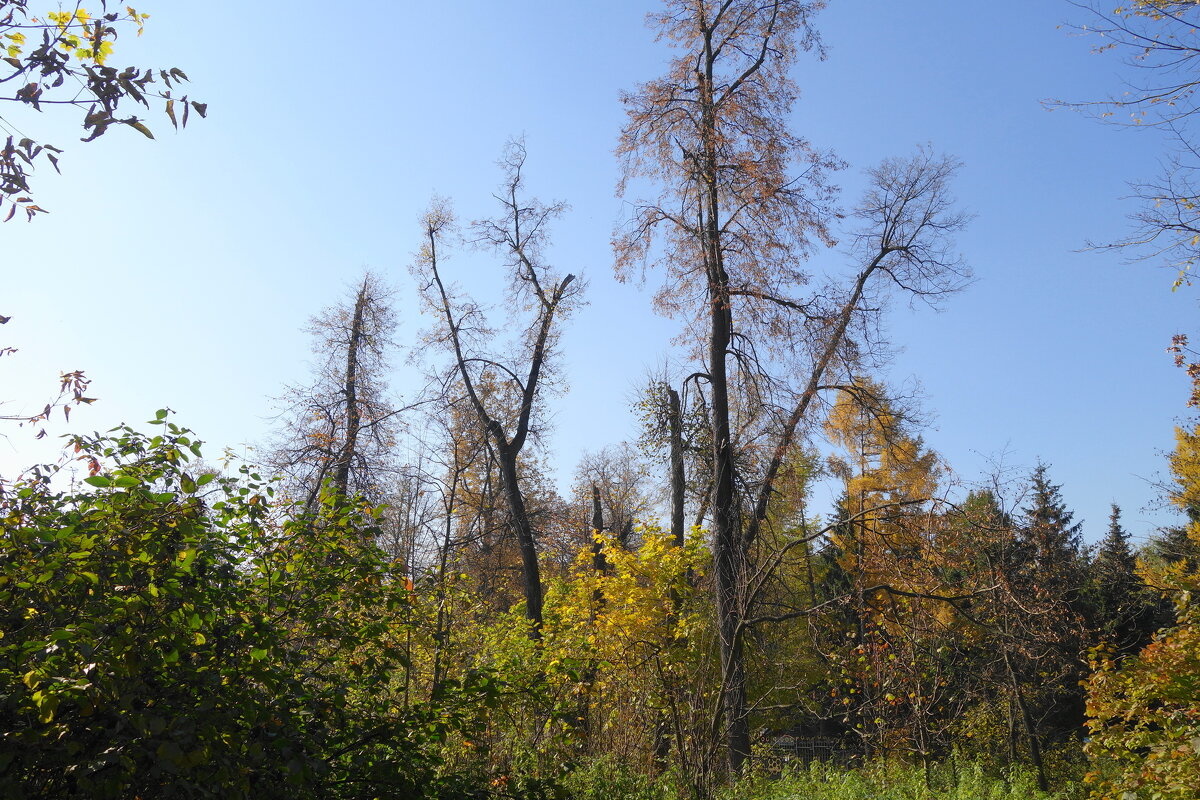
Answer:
(619, 635)
(890, 478)
(1144, 714)
(898, 695)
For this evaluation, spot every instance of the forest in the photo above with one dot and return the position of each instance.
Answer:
(774, 587)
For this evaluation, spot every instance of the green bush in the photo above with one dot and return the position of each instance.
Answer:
(164, 634)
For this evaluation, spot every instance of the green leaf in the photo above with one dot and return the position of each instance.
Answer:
(170, 752)
(186, 557)
(126, 482)
(100, 481)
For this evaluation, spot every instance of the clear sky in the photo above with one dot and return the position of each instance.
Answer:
(180, 272)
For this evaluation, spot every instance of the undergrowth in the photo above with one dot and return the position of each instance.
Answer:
(898, 781)
(605, 779)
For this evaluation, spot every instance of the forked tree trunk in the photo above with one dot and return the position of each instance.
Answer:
(507, 445)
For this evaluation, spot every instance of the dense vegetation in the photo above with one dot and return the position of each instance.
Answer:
(168, 628)
(399, 603)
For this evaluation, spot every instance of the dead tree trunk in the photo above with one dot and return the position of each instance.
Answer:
(341, 474)
(675, 421)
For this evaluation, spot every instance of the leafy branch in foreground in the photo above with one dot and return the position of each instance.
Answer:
(62, 59)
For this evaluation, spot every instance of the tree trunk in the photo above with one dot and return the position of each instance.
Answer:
(442, 631)
(341, 475)
(727, 549)
(677, 484)
(598, 561)
(1035, 747)
(530, 572)
(728, 555)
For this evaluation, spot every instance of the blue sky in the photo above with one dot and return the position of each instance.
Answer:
(180, 272)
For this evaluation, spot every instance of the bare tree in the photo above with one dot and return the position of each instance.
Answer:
(340, 429)
(1158, 41)
(736, 221)
(503, 391)
(614, 485)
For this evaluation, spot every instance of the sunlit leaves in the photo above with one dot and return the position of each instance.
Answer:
(194, 636)
(1144, 712)
(64, 59)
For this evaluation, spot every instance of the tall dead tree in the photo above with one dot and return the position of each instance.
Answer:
(339, 430)
(742, 201)
(506, 411)
(614, 482)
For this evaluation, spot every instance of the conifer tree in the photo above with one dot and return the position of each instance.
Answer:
(1051, 540)
(1049, 657)
(1124, 613)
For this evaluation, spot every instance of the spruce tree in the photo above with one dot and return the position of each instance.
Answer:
(1124, 612)
(1050, 574)
(1173, 546)
(1052, 542)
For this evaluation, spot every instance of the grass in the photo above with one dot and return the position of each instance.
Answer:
(897, 781)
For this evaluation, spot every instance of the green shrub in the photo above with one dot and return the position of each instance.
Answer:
(164, 634)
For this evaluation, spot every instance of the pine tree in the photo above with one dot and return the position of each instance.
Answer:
(1124, 612)
(1052, 541)
(1048, 579)
(1173, 546)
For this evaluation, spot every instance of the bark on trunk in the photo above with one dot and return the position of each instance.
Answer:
(519, 517)
(599, 563)
(677, 484)
(1035, 747)
(728, 554)
(341, 475)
